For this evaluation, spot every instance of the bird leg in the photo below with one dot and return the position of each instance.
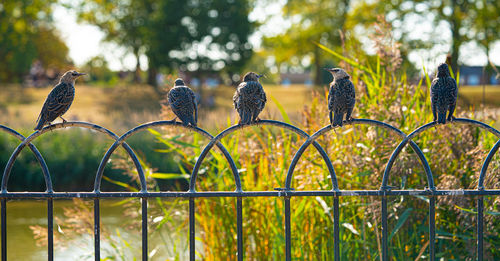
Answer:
(64, 121)
(173, 120)
(450, 114)
(434, 109)
(348, 117)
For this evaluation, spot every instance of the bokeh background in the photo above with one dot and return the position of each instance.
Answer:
(133, 50)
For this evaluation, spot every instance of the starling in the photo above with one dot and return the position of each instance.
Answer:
(341, 97)
(250, 98)
(444, 93)
(59, 100)
(183, 103)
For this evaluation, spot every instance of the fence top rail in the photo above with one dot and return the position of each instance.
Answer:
(243, 194)
(427, 126)
(215, 140)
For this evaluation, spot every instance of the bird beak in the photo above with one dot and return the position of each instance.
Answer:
(261, 75)
(327, 69)
(80, 74)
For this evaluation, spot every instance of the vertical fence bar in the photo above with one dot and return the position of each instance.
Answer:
(4, 229)
(385, 255)
(288, 231)
(191, 230)
(239, 224)
(480, 207)
(336, 217)
(144, 229)
(97, 230)
(432, 228)
(50, 228)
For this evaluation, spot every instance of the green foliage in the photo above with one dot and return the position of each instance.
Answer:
(26, 35)
(170, 33)
(319, 21)
(359, 155)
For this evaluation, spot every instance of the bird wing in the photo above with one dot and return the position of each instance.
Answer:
(350, 93)
(237, 95)
(434, 87)
(174, 98)
(331, 95)
(453, 88)
(59, 98)
(57, 102)
(195, 106)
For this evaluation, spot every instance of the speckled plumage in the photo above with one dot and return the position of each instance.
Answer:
(59, 100)
(341, 98)
(250, 98)
(183, 103)
(444, 92)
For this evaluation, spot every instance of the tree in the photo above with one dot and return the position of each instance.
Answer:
(123, 22)
(314, 21)
(460, 16)
(486, 26)
(198, 36)
(24, 28)
(201, 36)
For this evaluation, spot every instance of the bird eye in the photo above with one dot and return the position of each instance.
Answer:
(74, 74)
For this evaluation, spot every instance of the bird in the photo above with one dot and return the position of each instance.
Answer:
(59, 99)
(183, 103)
(249, 99)
(341, 97)
(444, 92)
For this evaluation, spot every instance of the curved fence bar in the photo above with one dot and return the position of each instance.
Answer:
(421, 129)
(121, 140)
(192, 184)
(486, 163)
(34, 135)
(38, 156)
(384, 125)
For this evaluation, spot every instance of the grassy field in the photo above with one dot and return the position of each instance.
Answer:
(121, 108)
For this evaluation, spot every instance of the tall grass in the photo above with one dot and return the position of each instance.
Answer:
(359, 155)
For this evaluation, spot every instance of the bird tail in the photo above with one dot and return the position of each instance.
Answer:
(40, 123)
(246, 117)
(188, 120)
(337, 119)
(441, 117)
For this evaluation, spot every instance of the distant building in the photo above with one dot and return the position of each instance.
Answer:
(296, 78)
(476, 75)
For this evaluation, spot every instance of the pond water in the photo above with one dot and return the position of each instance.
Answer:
(120, 232)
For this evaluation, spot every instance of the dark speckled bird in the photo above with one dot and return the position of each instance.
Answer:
(341, 98)
(444, 92)
(250, 98)
(59, 100)
(183, 103)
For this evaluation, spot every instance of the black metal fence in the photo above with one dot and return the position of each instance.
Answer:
(286, 193)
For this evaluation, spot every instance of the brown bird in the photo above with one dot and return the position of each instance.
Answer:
(59, 99)
(444, 92)
(341, 98)
(250, 98)
(183, 103)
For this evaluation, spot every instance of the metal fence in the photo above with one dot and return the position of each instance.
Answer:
(285, 193)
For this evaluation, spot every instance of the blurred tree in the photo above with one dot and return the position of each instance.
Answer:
(98, 70)
(319, 21)
(123, 22)
(201, 36)
(462, 17)
(486, 26)
(196, 36)
(25, 34)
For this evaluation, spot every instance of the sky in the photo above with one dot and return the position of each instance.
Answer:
(85, 41)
